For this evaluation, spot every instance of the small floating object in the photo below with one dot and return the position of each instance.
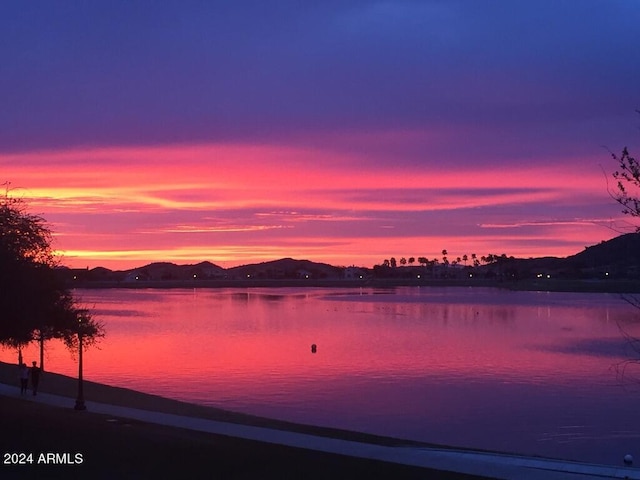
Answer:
(313, 348)
(628, 459)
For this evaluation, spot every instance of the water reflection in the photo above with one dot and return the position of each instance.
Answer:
(519, 371)
(611, 348)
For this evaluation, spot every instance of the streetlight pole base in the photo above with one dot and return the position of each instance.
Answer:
(80, 405)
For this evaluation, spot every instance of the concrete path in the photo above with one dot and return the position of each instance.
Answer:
(494, 465)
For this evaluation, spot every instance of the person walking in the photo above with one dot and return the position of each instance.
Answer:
(35, 377)
(24, 378)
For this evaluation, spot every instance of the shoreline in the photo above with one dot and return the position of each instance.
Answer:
(110, 446)
(111, 441)
(623, 287)
(66, 386)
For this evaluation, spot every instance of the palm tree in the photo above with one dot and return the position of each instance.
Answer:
(433, 264)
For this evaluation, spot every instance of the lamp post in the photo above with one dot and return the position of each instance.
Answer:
(80, 400)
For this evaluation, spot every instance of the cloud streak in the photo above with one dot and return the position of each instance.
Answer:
(344, 132)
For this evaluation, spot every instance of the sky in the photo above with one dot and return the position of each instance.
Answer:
(345, 132)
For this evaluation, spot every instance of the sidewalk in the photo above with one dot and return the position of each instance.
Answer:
(492, 465)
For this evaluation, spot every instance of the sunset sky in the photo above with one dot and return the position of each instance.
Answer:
(344, 132)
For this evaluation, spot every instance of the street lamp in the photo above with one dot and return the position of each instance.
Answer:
(80, 399)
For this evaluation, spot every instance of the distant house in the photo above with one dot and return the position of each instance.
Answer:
(354, 273)
(303, 274)
(136, 275)
(72, 274)
(203, 270)
(213, 271)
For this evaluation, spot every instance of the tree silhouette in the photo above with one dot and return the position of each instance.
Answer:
(445, 260)
(627, 178)
(34, 301)
(627, 194)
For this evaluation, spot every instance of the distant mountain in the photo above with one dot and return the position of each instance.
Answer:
(171, 271)
(152, 271)
(286, 268)
(616, 258)
(618, 252)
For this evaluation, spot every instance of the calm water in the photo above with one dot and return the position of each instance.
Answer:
(526, 372)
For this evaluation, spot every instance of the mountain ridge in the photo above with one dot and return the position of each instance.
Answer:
(618, 257)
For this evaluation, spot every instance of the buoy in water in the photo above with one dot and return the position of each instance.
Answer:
(313, 348)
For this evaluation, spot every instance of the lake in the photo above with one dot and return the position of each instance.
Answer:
(525, 372)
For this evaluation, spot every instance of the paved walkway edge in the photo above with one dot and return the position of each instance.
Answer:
(493, 465)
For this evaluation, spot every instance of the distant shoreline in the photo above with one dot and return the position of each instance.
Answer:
(546, 285)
